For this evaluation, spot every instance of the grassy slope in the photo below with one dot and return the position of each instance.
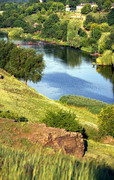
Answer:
(19, 98)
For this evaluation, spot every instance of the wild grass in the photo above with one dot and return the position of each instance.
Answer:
(93, 106)
(18, 98)
(18, 165)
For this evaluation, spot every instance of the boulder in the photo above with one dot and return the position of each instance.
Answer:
(59, 139)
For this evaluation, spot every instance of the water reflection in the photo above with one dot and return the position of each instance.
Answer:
(107, 72)
(69, 71)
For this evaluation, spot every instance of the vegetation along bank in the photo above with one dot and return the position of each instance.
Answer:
(91, 29)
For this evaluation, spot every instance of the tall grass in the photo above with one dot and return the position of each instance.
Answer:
(92, 105)
(16, 165)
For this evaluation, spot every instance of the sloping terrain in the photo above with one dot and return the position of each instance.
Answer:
(16, 97)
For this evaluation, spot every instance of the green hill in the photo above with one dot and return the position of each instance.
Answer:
(18, 98)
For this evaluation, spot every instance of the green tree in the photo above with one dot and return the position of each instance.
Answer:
(21, 62)
(110, 17)
(50, 26)
(106, 121)
(73, 37)
(86, 9)
(107, 5)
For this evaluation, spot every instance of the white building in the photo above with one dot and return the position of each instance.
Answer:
(67, 8)
(80, 6)
(41, 1)
(1, 12)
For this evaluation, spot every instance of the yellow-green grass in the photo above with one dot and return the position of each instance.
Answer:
(17, 97)
(43, 166)
(101, 152)
(25, 101)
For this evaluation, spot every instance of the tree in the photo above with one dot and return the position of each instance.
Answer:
(110, 17)
(86, 9)
(73, 37)
(106, 59)
(102, 42)
(106, 121)
(107, 5)
(22, 63)
(50, 26)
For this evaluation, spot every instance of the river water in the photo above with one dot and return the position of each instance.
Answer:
(70, 72)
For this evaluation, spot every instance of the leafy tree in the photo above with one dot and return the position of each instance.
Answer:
(89, 21)
(5, 49)
(102, 42)
(96, 33)
(50, 26)
(107, 5)
(110, 17)
(106, 59)
(21, 62)
(106, 121)
(73, 37)
(86, 9)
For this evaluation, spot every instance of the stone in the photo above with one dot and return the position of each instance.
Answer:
(71, 143)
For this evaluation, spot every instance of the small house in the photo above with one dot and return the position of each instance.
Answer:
(112, 5)
(67, 8)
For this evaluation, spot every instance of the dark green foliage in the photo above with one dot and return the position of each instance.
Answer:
(93, 106)
(82, 33)
(96, 33)
(14, 116)
(110, 17)
(62, 119)
(106, 121)
(21, 119)
(89, 20)
(86, 9)
(21, 62)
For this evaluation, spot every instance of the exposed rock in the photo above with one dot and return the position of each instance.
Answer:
(59, 139)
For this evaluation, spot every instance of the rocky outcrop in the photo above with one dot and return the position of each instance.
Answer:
(68, 142)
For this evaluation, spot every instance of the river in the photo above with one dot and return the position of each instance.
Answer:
(70, 72)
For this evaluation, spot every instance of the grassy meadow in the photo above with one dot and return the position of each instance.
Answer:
(25, 160)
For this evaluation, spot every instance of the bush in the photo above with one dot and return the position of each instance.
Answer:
(62, 119)
(10, 115)
(106, 121)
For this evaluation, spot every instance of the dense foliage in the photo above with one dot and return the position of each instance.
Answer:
(21, 62)
(62, 119)
(106, 121)
(92, 32)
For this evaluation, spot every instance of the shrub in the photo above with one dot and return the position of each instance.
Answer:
(62, 119)
(86, 9)
(10, 115)
(106, 121)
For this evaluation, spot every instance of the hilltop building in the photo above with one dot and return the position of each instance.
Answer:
(67, 8)
(112, 5)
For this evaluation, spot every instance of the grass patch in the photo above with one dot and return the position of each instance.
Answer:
(93, 106)
(43, 166)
